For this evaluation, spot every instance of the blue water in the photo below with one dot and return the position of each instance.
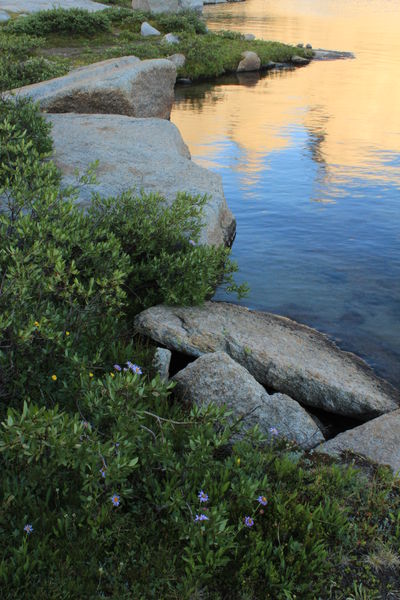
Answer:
(311, 170)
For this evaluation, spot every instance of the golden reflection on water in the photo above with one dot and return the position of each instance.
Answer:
(349, 108)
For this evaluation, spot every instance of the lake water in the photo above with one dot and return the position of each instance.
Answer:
(310, 161)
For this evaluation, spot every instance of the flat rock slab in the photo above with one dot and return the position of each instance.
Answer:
(216, 378)
(146, 154)
(18, 6)
(378, 440)
(122, 86)
(281, 354)
(321, 54)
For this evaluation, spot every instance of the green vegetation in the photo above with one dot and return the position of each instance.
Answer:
(84, 272)
(101, 468)
(60, 20)
(47, 44)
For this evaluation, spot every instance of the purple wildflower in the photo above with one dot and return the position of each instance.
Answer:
(117, 368)
(28, 528)
(134, 368)
(262, 500)
(192, 242)
(201, 517)
(115, 500)
(248, 521)
(273, 431)
(102, 472)
(203, 497)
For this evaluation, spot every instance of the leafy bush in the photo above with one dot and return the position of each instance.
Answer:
(32, 70)
(70, 279)
(23, 116)
(60, 20)
(18, 65)
(144, 500)
(18, 46)
(187, 21)
(162, 243)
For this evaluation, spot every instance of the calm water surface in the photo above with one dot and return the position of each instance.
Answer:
(310, 161)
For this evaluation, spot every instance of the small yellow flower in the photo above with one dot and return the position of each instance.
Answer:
(54, 377)
(36, 324)
(67, 333)
(91, 375)
(112, 375)
(238, 462)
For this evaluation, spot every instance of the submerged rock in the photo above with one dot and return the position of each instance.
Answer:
(378, 440)
(146, 154)
(280, 353)
(122, 86)
(320, 54)
(217, 378)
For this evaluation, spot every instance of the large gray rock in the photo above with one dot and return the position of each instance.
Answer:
(168, 6)
(378, 440)
(217, 378)
(4, 17)
(148, 154)
(18, 6)
(280, 353)
(123, 86)
(250, 62)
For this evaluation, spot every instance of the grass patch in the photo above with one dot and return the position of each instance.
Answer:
(91, 37)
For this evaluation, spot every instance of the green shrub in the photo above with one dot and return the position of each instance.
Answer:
(162, 243)
(32, 70)
(18, 46)
(60, 20)
(122, 16)
(23, 116)
(61, 471)
(71, 279)
(185, 21)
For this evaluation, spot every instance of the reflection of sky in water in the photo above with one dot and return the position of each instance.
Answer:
(310, 163)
